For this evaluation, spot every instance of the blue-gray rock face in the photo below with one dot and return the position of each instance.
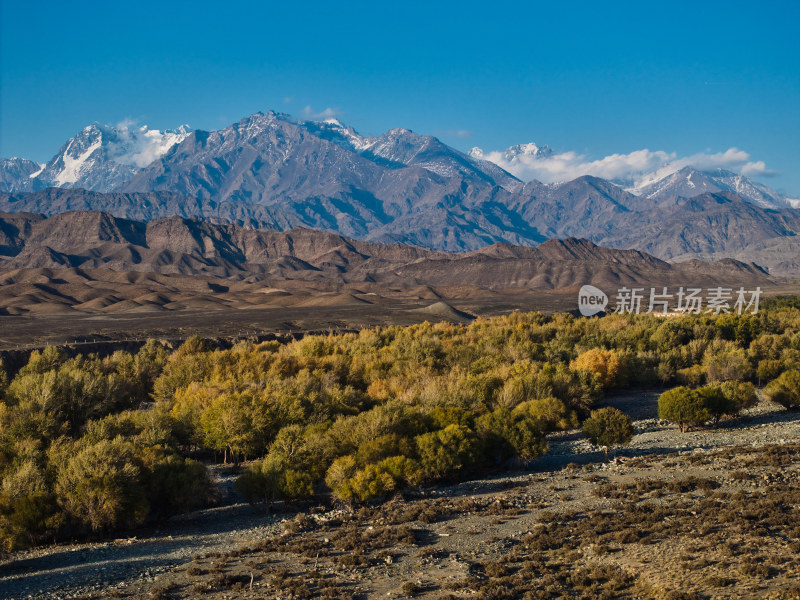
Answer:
(269, 171)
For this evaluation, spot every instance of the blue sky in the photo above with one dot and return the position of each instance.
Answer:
(593, 78)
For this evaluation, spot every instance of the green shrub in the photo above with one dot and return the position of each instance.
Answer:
(273, 478)
(768, 370)
(102, 486)
(507, 433)
(372, 482)
(741, 394)
(716, 402)
(683, 406)
(447, 450)
(608, 427)
(173, 483)
(402, 469)
(785, 390)
(28, 520)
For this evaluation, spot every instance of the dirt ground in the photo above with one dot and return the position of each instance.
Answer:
(23, 332)
(80, 329)
(708, 513)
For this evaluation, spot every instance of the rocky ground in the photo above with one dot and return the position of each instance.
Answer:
(708, 513)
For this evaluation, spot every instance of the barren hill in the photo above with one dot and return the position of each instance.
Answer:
(94, 262)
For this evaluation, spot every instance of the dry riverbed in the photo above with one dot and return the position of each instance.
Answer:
(708, 513)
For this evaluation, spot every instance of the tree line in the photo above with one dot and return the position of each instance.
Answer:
(89, 444)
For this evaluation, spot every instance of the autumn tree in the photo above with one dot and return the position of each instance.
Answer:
(235, 424)
(102, 486)
(767, 370)
(785, 390)
(683, 406)
(608, 427)
(339, 476)
(604, 364)
(447, 450)
(726, 361)
(549, 413)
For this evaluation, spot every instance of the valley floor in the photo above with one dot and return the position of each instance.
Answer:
(708, 513)
(89, 331)
(83, 330)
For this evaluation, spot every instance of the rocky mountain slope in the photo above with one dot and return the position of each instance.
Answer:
(99, 157)
(92, 263)
(269, 171)
(16, 174)
(178, 245)
(708, 227)
(689, 182)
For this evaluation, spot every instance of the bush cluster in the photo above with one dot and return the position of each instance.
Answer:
(692, 407)
(76, 456)
(89, 443)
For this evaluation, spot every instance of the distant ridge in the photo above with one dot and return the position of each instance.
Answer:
(268, 171)
(97, 263)
(92, 240)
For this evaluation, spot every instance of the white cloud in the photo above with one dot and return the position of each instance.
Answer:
(126, 123)
(758, 168)
(634, 169)
(140, 146)
(328, 113)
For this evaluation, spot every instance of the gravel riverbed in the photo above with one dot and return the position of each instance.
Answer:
(73, 570)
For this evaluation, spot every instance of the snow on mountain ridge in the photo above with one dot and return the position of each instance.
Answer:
(102, 157)
(514, 153)
(403, 147)
(73, 165)
(650, 174)
(16, 170)
(346, 134)
(141, 146)
(689, 182)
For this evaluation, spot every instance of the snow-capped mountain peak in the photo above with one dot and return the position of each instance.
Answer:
(689, 182)
(107, 158)
(530, 150)
(401, 147)
(16, 172)
(103, 157)
(335, 131)
(140, 146)
(515, 153)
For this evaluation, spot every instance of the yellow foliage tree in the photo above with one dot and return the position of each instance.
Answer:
(605, 364)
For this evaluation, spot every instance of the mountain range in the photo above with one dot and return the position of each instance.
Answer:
(95, 262)
(270, 171)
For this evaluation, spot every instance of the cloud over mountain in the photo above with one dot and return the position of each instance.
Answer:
(634, 169)
(138, 146)
(327, 113)
(272, 171)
